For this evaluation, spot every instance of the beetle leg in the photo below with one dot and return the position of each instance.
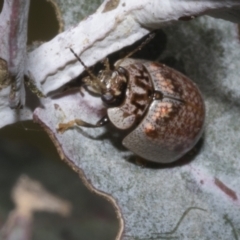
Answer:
(62, 127)
(106, 64)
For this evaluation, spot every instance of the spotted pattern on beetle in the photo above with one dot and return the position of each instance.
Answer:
(165, 110)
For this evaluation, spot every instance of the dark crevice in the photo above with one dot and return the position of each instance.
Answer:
(1, 5)
(42, 23)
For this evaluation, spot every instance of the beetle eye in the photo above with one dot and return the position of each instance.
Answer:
(110, 100)
(107, 97)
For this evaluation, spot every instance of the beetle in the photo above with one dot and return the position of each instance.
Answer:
(163, 109)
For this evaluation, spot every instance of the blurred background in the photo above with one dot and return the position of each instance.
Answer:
(26, 149)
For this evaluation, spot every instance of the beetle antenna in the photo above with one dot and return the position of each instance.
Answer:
(149, 38)
(86, 68)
